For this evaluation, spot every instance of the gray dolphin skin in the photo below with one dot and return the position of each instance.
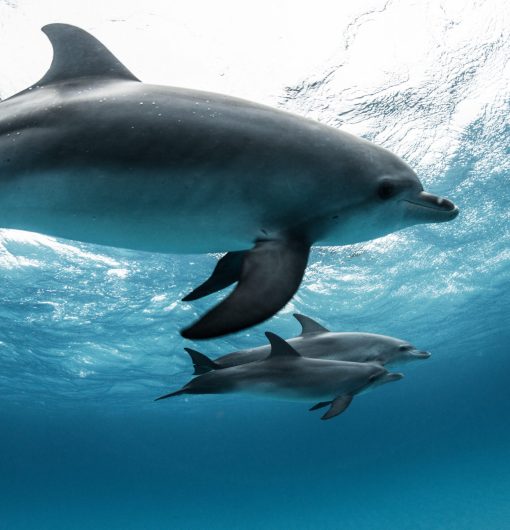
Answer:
(285, 374)
(90, 153)
(317, 342)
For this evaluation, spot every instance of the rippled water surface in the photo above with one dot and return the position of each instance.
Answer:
(89, 335)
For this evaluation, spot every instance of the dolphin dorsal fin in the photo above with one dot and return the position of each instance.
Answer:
(201, 362)
(279, 347)
(78, 54)
(308, 325)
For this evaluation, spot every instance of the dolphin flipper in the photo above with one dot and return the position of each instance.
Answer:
(271, 274)
(338, 405)
(201, 362)
(227, 271)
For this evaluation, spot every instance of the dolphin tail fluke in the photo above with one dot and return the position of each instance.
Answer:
(227, 271)
(271, 274)
(172, 394)
(338, 405)
(201, 362)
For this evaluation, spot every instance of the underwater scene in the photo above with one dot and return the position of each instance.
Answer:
(387, 272)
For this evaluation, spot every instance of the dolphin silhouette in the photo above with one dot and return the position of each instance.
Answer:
(90, 153)
(317, 342)
(285, 374)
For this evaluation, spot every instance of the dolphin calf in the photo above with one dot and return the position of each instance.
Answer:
(317, 342)
(285, 374)
(91, 153)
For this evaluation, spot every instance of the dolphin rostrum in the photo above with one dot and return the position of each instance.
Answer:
(287, 375)
(317, 342)
(90, 153)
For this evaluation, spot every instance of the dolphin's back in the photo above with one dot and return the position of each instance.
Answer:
(187, 154)
(351, 347)
(91, 153)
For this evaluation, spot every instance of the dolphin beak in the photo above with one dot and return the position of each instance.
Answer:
(388, 377)
(420, 354)
(431, 208)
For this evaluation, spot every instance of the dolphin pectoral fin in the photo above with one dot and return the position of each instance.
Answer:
(201, 362)
(78, 54)
(227, 271)
(338, 405)
(271, 274)
(308, 325)
(320, 405)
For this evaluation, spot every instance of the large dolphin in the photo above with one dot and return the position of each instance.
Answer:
(317, 342)
(92, 154)
(285, 374)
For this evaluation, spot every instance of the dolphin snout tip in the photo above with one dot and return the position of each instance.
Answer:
(421, 354)
(442, 204)
(449, 207)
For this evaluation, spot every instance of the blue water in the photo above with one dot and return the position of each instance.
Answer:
(89, 337)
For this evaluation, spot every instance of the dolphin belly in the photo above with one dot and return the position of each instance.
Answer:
(144, 212)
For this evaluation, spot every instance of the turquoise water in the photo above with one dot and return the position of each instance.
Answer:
(89, 337)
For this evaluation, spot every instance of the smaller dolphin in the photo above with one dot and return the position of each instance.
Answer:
(317, 342)
(285, 374)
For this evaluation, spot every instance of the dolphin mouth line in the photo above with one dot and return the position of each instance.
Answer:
(433, 203)
(449, 208)
(421, 354)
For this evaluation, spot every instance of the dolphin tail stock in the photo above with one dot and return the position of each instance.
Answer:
(227, 271)
(271, 273)
(337, 406)
(172, 394)
(201, 362)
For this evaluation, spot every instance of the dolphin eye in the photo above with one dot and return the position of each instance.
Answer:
(403, 348)
(386, 189)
